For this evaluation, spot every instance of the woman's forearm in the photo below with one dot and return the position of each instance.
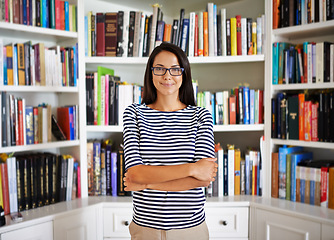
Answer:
(182, 184)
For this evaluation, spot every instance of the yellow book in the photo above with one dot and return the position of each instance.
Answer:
(233, 36)
(254, 39)
(89, 17)
(20, 64)
(10, 67)
(237, 158)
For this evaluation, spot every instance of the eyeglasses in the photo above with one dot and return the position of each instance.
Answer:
(160, 71)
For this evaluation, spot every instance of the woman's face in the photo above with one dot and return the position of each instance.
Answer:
(167, 85)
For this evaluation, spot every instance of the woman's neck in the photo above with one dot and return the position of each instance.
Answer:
(166, 105)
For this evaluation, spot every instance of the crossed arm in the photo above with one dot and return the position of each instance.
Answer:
(171, 178)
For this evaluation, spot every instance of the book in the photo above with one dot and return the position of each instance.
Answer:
(100, 35)
(101, 71)
(274, 174)
(56, 130)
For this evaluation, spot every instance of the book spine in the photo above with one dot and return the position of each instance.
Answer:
(100, 35)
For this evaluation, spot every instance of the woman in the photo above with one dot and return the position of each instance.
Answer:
(169, 152)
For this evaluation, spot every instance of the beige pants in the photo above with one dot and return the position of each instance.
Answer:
(199, 232)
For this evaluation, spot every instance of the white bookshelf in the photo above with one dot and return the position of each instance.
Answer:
(49, 89)
(302, 86)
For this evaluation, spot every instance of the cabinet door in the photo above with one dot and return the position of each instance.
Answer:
(116, 222)
(42, 231)
(327, 232)
(227, 222)
(76, 226)
(274, 226)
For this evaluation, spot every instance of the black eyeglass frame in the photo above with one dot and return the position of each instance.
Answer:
(182, 70)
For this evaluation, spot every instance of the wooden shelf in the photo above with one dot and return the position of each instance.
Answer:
(39, 89)
(325, 145)
(192, 60)
(12, 30)
(41, 146)
(302, 86)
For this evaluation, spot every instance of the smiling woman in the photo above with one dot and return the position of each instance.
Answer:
(169, 152)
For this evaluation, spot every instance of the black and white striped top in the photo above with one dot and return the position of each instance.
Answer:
(154, 137)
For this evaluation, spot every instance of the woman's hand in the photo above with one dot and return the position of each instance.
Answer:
(131, 186)
(205, 169)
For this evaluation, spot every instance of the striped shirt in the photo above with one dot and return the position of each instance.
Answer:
(153, 137)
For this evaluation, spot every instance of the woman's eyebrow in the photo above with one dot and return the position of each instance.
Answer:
(158, 64)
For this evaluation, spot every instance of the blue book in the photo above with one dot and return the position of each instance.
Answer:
(295, 159)
(312, 179)
(114, 174)
(67, 16)
(280, 96)
(282, 152)
(29, 125)
(247, 172)
(185, 34)
(252, 106)
(24, 11)
(75, 65)
(5, 80)
(246, 105)
(86, 36)
(70, 111)
(302, 170)
(213, 106)
(44, 11)
(97, 183)
(15, 70)
(275, 63)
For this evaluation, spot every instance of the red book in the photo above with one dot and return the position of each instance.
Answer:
(78, 182)
(323, 185)
(58, 14)
(110, 34)
(28, 7)
(16, 11)
(196, 37)
(307, 120)
(100, 35)
(239, 52)
(5, 189)
(20, 118)
(62, 15)
(35, 110)
(261, 111)
(274, 174)
(301, 97)
(314, 122)
(232, 107)
(63, 117)
(305, 65)
(331, 188)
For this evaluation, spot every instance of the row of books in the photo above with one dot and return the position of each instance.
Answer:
(297, 177)
(108, 96)
(36, 65)
(309, 62)
(306, 117)
(238, 174)
(34, 180)
(240, 105)
(23, 124)
(291, 13)
(105, 169)
(207, 33)
(55, 14)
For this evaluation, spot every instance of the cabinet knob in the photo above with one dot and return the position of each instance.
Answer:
(223, 222)
(126, 223)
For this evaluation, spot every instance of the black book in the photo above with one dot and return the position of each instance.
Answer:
(331, 116)
(326, 61)
(293, 118)
(89, 98)
(219, 36)
(27, 47)
(120, 19)
(33, 178)
(47, 178)
(20, 184)
(146, 40)
(274, 118)
(284, 116)
(249, 35)
(120, 174)
(241, 108)
(56, 129)
(3, 119)
(40, 180)
(53, 178)
(179, 33)
(116, 97)
(131, 33)
(228, 36)
(225, 174)
(175, 31)
(27, 182)
(38, 13)
(321, 117)
(112, 93)
(63, 186)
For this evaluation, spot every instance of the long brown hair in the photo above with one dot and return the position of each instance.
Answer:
(186, 92)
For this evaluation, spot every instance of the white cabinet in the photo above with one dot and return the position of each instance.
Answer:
(227, 222)
(272, 226)
(76, 225)
(43, 231)
(327, 232)
(116, 222)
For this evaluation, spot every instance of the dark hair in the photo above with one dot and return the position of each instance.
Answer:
(186, 92)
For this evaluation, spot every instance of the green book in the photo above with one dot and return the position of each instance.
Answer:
(52, 14)
(101, 71)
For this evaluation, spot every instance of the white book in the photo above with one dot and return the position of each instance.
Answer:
(69, 182)
(125, 42)
(230, 159)
(45, 125)
(16, 120)
(103, 95)
(225, 108)
(32, 66)
(314, 63)
(15, 70)
(125, 93)
(33, 12)
(210, 30)
(263, 31)
(312, 11)
(223, 26)
(191, 46)
(10, 108)
(319, 62)
(309, 63)
(259, 35)
(331, 63)
(200, 34)
(153, 27)
(244, 36)
(12, 184)
(219, 107)
(215, 29)
(207, 101)
(321, 11)
(137, 32)
(286, 67)
(220, 177)
(142, 32)
(24, 121)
